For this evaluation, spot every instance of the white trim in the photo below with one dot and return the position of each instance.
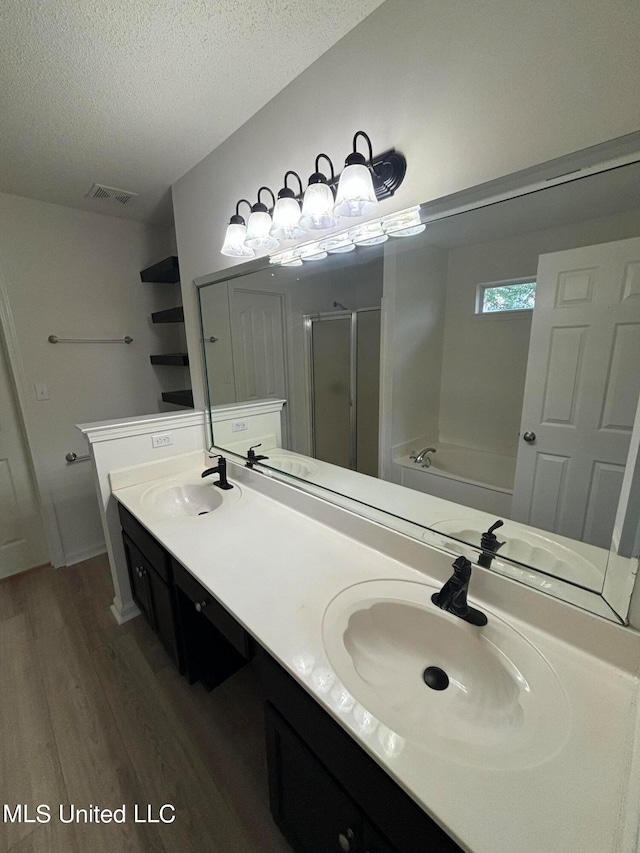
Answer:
(86, 553)
(253, 407)
(124, 614)
(119, 428)
(19, 376)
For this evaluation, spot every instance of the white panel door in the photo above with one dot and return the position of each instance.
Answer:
(22, 540)
(257, 327)
(582, 387)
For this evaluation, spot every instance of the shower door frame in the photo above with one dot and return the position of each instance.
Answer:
(323, 316)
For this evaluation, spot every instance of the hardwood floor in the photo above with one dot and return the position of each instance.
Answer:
(95, 714)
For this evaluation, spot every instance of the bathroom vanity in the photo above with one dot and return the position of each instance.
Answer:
(533, 745)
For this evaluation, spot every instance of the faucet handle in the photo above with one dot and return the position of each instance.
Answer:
(462, 569)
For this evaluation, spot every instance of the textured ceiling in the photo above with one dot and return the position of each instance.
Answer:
(133, 93)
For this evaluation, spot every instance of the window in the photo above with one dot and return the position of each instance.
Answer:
(500, 296)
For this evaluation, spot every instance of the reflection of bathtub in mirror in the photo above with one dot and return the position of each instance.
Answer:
(475, 478)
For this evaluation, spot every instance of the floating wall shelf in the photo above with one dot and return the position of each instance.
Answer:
(164, 272)
(180, 398)
(169, 315)
(179, 359)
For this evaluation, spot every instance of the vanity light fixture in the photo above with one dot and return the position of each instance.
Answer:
(317, 206)
(259, 225)
(286, 213)
(361, 185)
(234, 241)
(356, 195)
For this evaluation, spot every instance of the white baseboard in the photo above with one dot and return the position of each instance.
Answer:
(85, 554)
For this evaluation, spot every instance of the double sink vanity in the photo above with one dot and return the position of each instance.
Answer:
(529, 743)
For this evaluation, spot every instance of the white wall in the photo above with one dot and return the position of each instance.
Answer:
(467, 91)
(415, 279)
(76, 274)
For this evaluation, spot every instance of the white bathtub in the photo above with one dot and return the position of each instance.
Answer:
(474, 478)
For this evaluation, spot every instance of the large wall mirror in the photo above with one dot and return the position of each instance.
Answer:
(484, 368)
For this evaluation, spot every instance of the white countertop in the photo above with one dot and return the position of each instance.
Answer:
(276, 569)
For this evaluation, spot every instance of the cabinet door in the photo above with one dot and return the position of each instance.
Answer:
(208, 656)
(373, 842)
(312, 811)
(163, 609)
(138, 578)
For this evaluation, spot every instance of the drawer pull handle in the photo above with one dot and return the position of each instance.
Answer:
(140, 571)
(200, 605)
(345, 840)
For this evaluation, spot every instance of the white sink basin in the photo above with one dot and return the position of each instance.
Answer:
(532, 549)
(297, 467)
(503, 707)
(180, 500)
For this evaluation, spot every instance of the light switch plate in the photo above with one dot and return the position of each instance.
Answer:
(42, 392)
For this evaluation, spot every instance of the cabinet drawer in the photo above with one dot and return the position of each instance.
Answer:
(213, 610)
(153, 551)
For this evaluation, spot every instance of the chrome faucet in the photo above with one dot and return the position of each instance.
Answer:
(422, 458)
(453, 595)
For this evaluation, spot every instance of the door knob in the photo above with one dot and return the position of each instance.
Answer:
(529, 436)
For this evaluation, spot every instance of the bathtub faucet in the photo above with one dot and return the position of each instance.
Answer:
(422, 458)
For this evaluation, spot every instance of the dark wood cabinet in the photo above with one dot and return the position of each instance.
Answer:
(326, 793)
(138, 579)
(151, 583)
(313, 812)
(215, 645)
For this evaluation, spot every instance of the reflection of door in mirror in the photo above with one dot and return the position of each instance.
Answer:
(343, 383)
(581, 391)
(257, 334)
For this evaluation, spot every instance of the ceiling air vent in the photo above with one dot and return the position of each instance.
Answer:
(111, 193)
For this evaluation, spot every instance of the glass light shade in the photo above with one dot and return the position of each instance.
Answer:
(258, 228)
(404, 223)
(286, 219)
(337, 244)
(368, 234)
(317, 208)
(234, 245)
(311, 252)
(356, 196)
(286, 258)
